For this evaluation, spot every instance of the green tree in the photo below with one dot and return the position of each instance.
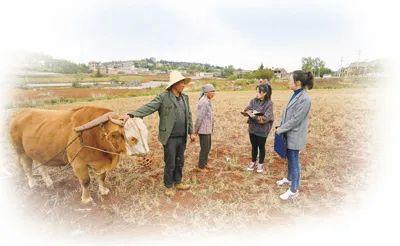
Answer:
(227, 71)
(315, 65)
(259, 74)
(263, 74)
(97, 74)
(78, 78)
(324, 71)
(192, 68)
(115, 80)
(307, 64)
(63, 66)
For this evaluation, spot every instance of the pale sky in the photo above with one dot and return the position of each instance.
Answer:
(240, 33)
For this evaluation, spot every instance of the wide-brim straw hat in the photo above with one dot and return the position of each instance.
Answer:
(175, 77)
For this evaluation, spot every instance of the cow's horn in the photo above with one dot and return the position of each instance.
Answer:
(117, 122)
(101, 119)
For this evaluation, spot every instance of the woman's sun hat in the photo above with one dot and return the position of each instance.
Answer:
(175, 77)
(207, 88)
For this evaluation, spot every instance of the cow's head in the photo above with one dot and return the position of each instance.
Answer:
(120, 136)
(113, 134)
(136, 136)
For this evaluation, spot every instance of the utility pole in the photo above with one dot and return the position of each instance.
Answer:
(358, 68)
(341, 66)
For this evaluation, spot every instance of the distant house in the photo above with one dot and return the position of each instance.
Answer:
(112, 70)
(103, 70)
(94, 65)
(204, 75)
(129, 69)
(363, 69)
(182, 71)
(241, 71)
(140, 70)
(280, 73)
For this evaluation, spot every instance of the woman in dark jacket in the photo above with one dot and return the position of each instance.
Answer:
(294, 125)
(261, 117)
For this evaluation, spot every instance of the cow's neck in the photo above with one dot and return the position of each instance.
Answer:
(105, 166)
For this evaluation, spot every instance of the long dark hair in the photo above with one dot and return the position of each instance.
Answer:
(265, 88)
(305, 78)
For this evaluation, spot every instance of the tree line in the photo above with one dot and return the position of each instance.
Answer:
(45, 63)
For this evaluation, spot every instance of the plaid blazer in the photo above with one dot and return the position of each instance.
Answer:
(205, 121)
(295, 121)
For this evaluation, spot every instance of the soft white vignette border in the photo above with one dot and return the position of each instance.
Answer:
(373, 221)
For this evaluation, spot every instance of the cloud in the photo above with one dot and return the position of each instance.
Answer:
(243, 34)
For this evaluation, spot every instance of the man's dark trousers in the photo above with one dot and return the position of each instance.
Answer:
(174, 160)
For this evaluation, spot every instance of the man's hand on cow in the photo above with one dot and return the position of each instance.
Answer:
(125, 117)
(192, 137)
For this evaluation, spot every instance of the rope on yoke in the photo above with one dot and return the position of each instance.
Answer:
(62, 151)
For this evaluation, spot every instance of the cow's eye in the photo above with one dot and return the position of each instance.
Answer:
(133, 140)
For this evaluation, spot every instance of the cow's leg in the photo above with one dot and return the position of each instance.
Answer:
(45, 175)
(81, 171)
(102, 187)
(26, 164)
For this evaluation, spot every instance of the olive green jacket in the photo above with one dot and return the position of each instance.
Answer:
(167, 108)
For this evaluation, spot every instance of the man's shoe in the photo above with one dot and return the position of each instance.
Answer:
(170, 192)
(182, 186)
(289, 195)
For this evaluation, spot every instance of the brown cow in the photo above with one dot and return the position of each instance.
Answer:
(40, 136)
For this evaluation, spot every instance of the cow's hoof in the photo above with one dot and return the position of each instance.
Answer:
(104, 191)
(87, 200)
(31, 183)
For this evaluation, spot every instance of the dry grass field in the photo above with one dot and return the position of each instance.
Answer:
(57, 78)
(39, 97)
(45, 96)
(335, 163)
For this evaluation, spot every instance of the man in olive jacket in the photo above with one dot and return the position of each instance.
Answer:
(174, 127)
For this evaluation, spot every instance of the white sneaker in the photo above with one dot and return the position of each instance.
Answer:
(260, 168)
(289, 195)
(251, 166)
(283, 181)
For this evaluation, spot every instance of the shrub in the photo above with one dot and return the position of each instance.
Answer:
(76, 84)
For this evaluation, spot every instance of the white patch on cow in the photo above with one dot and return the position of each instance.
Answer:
(136, 129)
